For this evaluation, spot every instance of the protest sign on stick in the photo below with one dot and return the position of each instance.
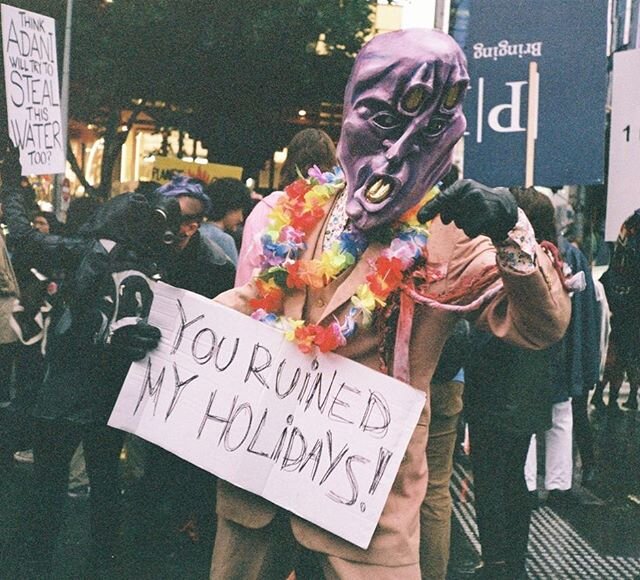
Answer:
(624, 149)
(321, 436)
(31, 84)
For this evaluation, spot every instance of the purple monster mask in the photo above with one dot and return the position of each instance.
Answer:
(402, 117)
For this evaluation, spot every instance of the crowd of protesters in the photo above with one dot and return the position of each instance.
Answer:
(510, 393)
(525, 365)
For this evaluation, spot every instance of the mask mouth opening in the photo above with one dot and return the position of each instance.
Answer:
(379, 188)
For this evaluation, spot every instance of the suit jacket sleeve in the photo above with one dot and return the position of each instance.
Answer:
(532, 310)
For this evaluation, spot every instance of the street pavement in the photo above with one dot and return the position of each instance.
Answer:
(594, 535)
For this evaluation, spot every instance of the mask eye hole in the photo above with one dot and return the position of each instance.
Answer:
(436, 126)
(414, 99)
(385, 120)
(453, 96)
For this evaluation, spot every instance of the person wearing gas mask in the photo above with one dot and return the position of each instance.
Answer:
(196, 263)
(193, 261)
(95, 325)
(350, 270)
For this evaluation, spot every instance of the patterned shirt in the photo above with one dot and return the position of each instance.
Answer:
(337, 223)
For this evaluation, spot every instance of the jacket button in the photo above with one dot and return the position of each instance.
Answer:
(320, 303)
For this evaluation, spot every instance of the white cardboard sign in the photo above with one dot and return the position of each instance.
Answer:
(31, 84)
(623, 197)
(321, 436)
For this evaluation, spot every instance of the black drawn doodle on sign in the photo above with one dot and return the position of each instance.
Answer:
(178, 390)
(152, 389)
(184, 324)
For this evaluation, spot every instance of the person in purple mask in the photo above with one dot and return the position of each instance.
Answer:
(393, 297)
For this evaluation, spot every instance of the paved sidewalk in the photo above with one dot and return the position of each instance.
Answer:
(595, 537)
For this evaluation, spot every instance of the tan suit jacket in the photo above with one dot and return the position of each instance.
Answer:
(532, 311)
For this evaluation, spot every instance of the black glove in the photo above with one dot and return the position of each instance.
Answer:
(134, 341)
(33, 292)
(475, 208)
(11, 169)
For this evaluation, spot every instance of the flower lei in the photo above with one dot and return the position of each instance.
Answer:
(293, 217)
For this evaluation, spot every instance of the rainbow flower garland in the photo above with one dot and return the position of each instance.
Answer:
(292, 219)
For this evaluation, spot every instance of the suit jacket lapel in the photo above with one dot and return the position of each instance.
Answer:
(345, 285)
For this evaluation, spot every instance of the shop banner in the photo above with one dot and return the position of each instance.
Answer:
(536, 107)
(624, 153)
(165, 167)
(319, 435)
(31, 84)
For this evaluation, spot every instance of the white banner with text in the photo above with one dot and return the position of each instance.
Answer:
(624, 148)
(321, 436)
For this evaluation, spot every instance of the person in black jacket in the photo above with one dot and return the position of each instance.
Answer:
(508, 398)
(85, 365)
(130, 241)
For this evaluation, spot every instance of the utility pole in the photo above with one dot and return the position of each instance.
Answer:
(64, 106)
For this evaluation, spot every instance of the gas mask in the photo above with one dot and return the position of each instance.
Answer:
(166, 219)
(402, 116)
(149, 222)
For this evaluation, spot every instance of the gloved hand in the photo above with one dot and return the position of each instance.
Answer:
(33, 292)
(474, 208)
(11, 170)
(134, 341)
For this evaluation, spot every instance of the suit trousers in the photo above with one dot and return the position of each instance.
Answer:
(272, 553)
(435, 511)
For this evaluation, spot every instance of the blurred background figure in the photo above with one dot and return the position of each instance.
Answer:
(622, 286)
(29, 196)
(33, 270)
(574, 362)
(41, 223)
(507, 399)
(9, 294)
(192, 262)
(230, 201)
(512, 393)
(308, 147)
